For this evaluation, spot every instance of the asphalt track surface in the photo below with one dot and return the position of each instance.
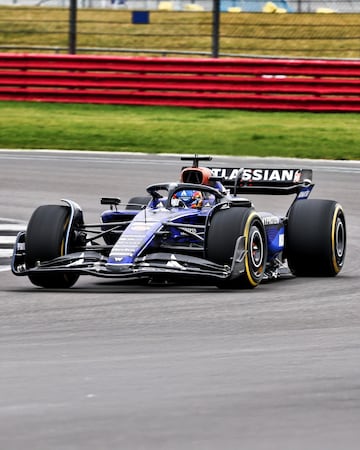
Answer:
(105, 365)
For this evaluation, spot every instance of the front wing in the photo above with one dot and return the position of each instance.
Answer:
(153, 265)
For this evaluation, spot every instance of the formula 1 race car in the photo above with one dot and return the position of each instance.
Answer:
(201, 229)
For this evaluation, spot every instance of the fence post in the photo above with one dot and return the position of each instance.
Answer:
(215, 28)
(72, 26)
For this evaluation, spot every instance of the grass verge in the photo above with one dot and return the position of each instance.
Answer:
(179, 130)
(295, 35)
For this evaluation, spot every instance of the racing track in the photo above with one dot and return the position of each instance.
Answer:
(106, 366)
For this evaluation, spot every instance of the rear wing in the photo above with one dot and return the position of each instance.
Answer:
(263, 181)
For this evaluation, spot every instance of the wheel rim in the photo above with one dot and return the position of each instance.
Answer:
(339, 239)
(256, 249)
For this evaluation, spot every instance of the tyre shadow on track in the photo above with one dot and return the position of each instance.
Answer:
(136, 288)
(116, 287)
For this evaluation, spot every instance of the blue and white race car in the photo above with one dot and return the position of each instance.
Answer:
(200, 229)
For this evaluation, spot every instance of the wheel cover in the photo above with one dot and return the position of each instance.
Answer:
(256, 250)
(338, 237)
(255, 260)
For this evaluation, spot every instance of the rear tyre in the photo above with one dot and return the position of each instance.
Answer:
(45, 240)
(225, 228)
(316, 238)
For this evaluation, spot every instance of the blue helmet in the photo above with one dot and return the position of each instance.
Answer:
(189, 198)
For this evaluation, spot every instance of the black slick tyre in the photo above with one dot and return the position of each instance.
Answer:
(226, 226)
(316, 238)
(45, 240)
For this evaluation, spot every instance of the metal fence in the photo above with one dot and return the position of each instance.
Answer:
(299, 6)
(285, 28)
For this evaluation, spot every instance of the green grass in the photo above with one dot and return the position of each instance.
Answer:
(179, 130)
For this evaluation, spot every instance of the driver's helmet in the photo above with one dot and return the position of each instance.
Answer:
(189, 198)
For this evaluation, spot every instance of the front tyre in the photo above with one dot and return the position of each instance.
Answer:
(46, 240)
(225, 228)
(316, 238)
